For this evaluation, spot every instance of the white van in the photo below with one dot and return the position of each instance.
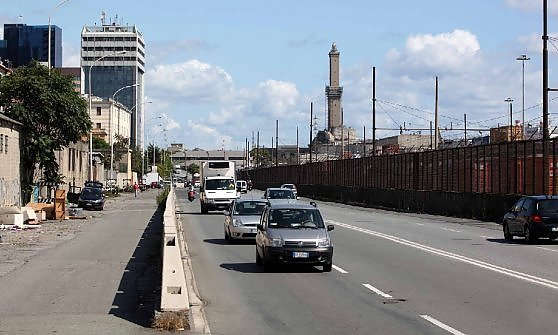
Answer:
(242, 186)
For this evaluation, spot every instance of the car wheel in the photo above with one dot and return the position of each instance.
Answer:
(327, 267)
(507, 235)
(259, 261)
(529, 235)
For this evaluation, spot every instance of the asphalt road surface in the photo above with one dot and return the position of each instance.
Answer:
(393, 274)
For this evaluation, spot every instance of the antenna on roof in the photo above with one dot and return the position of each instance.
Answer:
(103, 17)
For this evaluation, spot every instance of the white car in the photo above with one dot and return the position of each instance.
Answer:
(242, 219)
(242, 186)
(291, 187)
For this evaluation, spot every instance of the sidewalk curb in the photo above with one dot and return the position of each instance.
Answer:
(197, 317)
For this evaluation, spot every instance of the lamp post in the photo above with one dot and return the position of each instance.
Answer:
(523, 58)
(60, 4)
(510, 100)
(90, 102)
(110, 129)
(143, 134)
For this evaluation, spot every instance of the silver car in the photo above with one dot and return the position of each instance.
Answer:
(279, 195)
(292, 187)
(293, 233)
(242, 218)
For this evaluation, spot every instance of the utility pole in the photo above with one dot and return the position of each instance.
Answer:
(364, 142)
(374, 111)
(297, 148)
(431, 136)
(510, 100)
(436, 140)
(311, 120)
(545, 95)
(258, 151)
(276, 142)
(342, 143)
(465, 127)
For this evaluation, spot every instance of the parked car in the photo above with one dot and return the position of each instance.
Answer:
(142, 187)
(241, 186)
(155, 184)
(532, 217)
(242, 218)
(91, 198)
(293, 233)
(292, 187)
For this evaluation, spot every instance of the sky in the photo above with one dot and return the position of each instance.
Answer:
(216, 71)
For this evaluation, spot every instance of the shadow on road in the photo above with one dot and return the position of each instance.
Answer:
(521, 241)
(139, 289)
(252, 267)
(221, 241)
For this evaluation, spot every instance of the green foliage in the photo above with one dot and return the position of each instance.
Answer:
(193, 168)
(137, 158)
(162, 196)
(165, 168)
(261, 156)
(52, 113)
(100, 145)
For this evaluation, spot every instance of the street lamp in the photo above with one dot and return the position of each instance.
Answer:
(510, 100)
(90, 102)
(523, 58)
(60, 4)
(110, 128)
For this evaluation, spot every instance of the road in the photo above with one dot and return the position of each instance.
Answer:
(394, 274)
(100, 282)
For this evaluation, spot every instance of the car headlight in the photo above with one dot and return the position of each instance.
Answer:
(236, 222)
(323, 243)
(276, 242)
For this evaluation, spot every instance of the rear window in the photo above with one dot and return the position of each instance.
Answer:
(249, 208)
(218, 165)
(547, 207)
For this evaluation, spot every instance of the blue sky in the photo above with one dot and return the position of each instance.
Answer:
(219, 70)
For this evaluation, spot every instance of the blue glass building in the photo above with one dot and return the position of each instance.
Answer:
(23, 43)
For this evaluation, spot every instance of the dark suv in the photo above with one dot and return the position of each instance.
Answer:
(532, 217)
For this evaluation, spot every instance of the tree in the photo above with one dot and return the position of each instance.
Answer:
(53, 116)
(261, 157)
(193, 168)
(165, 167)
(120, 147)
(137, 158)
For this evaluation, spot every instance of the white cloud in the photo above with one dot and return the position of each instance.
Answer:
(70, 55)
(452, 51)
(193, 80)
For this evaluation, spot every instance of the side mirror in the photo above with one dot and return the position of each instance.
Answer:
(260, 227)
(330, 227)
(313, 204)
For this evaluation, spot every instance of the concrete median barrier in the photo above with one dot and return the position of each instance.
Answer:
(174, 295)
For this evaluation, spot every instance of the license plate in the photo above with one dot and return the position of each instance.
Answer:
(554, 228)
(300, 254)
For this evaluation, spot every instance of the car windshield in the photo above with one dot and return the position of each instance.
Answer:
(289, 186)
(219, 184)
(249, 208)
(91, 194)
(547, 207)
(280, 194)
(295, 218)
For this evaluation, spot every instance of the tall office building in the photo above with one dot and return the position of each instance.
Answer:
(116, 69)
(23, 43)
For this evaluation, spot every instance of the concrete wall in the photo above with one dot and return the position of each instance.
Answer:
(10, 187)
(73, 164)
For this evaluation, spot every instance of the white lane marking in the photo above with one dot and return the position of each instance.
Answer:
(488, 266)
(547, 249)
(445, 327)
(419, 224)
(338, 269)
(378, 292)
(491, 237)
(453, 230)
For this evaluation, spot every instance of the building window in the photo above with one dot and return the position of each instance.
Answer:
(1, 143)
(5, 143)
(98, 126)
(98, 110)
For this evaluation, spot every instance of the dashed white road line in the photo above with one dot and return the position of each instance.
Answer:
(449, 229)
(378, 292)
(481, 264)
(547, 249)
(445, 327)
(491, 237)
(419, 224)
(336, 268)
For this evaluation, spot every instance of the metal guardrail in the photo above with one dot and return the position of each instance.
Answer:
(174, 293)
